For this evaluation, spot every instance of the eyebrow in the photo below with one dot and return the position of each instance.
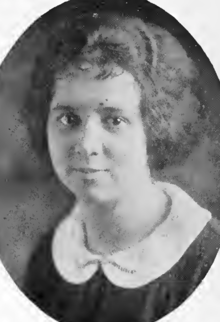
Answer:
(59, 107)
(108, 109)
(100, 109)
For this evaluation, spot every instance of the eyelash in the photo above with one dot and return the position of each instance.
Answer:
(116, 117)
(79, 121)
(76, 118)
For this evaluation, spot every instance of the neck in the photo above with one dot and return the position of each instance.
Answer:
(112, 225)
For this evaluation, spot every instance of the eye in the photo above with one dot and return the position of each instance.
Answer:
(70, 119)
(115, 121)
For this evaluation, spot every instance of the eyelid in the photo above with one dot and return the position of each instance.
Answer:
(125, 120)
(71, 113)
(65, 113)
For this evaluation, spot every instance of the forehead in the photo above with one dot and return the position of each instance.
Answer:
(82, 89)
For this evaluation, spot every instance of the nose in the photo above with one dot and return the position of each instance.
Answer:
(91, 137)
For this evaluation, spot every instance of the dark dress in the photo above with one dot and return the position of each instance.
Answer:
(99, 300)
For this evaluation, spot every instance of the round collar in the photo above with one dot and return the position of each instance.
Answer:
(143, 262)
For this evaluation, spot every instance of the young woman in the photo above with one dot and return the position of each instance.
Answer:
(132, 248)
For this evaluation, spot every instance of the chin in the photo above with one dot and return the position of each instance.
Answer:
(102, 194)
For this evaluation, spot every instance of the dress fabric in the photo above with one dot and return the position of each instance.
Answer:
(99, 300)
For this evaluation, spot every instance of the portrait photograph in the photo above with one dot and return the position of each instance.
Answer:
(109, 162)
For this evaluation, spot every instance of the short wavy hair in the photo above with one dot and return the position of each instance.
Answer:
(171, 106)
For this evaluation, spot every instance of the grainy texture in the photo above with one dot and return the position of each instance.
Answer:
(100, 300)
(180, 103)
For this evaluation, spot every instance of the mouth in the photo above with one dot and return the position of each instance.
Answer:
(71, 169)
(89, 170)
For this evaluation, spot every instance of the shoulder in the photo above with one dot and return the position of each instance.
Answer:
(40, 264)
(198, 228)
(187, 223)
(184, 205)
(45, 287)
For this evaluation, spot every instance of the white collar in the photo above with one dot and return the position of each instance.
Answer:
(139, 265)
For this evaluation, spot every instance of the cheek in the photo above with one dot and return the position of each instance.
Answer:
(121, 150)
(57, 148)
(63, 154)
(130, 149)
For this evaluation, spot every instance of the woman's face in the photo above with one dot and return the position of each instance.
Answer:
(95, 134)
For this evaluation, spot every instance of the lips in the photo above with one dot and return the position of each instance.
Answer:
(71, 169)
(89, 170)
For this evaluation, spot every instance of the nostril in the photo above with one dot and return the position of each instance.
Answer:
(94, 153)
(72, 152)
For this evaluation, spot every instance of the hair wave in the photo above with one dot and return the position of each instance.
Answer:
(168, 78)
